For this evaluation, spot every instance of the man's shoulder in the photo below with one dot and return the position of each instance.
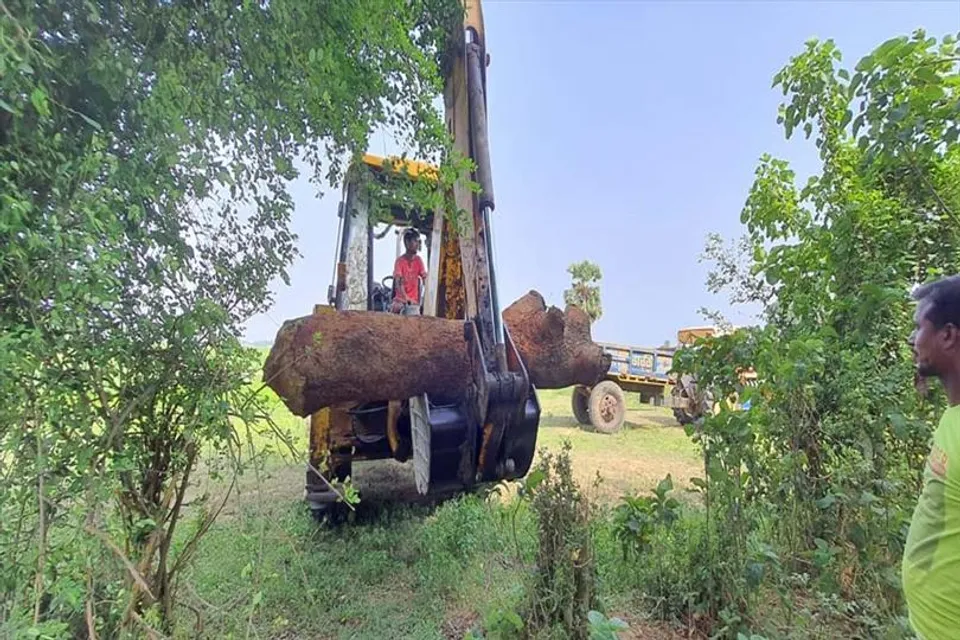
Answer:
(951, 416)
(945, 448)
(947, 433)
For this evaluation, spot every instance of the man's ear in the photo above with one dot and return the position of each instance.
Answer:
(950, 336)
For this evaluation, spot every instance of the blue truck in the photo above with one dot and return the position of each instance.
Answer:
(641, 370)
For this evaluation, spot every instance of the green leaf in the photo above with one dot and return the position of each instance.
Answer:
(889, 49)
(90, 121)
(618, 624)
(514, 619)
(38, 98)
(928, 75)
(855, 83)
(847, 117)
(857, 124)
(533, 480)
(827, 501)
(933, 93)
(665, 485)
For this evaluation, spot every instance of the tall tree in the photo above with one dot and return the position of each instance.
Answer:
(584, 291)
(145, 153)
(835, 446)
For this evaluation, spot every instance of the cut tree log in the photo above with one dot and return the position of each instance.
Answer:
(333, 357)
(555, 345)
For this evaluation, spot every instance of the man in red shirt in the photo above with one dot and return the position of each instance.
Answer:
(408, 270)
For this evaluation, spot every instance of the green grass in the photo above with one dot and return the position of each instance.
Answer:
(400, 571)
(396, 572)
(650, 445)
(403, 572)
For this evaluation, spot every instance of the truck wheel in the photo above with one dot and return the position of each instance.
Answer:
(608, 407)
(581, 404)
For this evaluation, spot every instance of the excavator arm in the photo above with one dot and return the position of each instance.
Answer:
(501, 402)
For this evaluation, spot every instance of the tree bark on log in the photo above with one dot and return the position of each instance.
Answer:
(342, 356)
(333, 356)
(555, 345)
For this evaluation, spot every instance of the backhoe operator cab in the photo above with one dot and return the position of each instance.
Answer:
(370, 212)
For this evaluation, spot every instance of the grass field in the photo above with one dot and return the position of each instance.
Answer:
(266, 570)
(650, 445)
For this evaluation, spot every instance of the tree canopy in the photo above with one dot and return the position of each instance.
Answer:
(831, 451)
(145, 153)
(584, 291)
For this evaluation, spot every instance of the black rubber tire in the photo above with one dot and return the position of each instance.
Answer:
(580, 403)
(331, 514)
(683, 416)
(608, 407)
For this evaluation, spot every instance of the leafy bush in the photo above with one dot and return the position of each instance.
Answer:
(564, 583)
(636, 520)
(146, 151)
(819, 477)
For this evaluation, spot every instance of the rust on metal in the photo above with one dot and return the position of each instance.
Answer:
(451, 296)
(487, 435)
(341, 276)
(393, 435)
(319, 432)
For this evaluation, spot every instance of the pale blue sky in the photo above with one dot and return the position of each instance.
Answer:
(623, 133)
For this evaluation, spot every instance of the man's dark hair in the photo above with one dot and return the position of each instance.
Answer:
(411, 234)
(944, 298)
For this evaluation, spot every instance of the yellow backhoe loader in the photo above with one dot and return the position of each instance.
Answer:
(491, 434)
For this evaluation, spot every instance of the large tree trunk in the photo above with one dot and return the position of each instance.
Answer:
(555, 345)
(342, 356)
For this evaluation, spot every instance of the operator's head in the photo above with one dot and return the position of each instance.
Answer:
(936, 336)
(411, 240)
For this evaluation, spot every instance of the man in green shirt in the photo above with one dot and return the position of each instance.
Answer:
(931, 558)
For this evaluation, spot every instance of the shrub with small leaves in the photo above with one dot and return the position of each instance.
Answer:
(638, 517)
(564, 584)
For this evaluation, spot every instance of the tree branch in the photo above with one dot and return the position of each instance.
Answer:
(911, 159)
(191, 545)
(137, 578)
